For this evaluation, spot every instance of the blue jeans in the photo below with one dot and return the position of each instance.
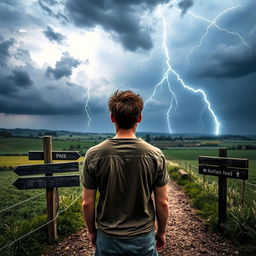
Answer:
(144, 245)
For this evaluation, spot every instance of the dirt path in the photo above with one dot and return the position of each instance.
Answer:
(186, 234)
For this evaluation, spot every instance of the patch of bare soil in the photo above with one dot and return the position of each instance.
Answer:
(186, 234)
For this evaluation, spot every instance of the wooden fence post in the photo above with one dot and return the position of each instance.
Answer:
(222, 193)
(50, 192)
(243, 193)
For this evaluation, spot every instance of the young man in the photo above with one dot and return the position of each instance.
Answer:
(125, 170)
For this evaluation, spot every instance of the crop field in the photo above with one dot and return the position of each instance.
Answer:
(10, 195)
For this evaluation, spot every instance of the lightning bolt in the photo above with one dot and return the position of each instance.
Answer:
(213, 23)
(87, 108)
(165, 78)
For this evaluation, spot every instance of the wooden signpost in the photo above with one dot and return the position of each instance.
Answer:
(49, 182)
(223, 167)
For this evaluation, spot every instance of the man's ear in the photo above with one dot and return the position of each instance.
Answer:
(112, 118)
(139, 118)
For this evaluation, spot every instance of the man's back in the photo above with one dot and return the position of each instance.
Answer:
(125, 171)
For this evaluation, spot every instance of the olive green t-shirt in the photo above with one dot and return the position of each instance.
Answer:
(125, 171)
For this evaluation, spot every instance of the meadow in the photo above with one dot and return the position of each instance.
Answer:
(15, 221)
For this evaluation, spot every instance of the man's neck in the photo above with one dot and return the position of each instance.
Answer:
(123, 133)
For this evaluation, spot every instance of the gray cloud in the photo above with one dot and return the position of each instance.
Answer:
(46, 7)
(4, 50)
(229, 62)
(19, 79)
(63, 67)
(184, 5)
(121, 18)
(14, 15)
(52, 35)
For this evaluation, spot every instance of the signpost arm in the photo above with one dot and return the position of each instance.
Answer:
(222, 193)
(50, 192)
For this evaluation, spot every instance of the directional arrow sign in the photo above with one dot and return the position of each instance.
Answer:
(56, 155)
(34, 169)
(234, 173)
(47, 182)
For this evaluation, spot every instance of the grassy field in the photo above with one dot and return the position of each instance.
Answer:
(23, 145)
(9, 195)
(186, 157)
(13, 161)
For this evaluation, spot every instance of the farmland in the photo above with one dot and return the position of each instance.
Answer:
(13, 152)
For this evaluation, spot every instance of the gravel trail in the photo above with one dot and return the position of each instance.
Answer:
(186, 234)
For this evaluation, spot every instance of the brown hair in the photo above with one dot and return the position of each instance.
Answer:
(126, 107)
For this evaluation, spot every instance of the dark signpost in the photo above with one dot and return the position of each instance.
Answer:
(60, 155)
(34, 169)
(49, 182)
(223, 167)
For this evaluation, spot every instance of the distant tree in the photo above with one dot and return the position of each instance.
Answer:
(239, 147)
(148, 139)
(70, 135)
(78, 146)
(5, 134)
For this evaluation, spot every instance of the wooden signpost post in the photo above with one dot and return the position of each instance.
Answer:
(223, 167)
(49, 182)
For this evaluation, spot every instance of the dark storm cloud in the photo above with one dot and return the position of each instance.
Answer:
(63, 68)
(19, 79)
(184, 5)
(4, 50)
(225, 55)
(46, 6)
(229, 62)
(121, 18)
(39, 106)
(53, 36)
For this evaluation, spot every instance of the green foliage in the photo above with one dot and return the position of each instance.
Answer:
(23, 145)
(240, 226)
(71, 220)
(32, 244)
(68, 221)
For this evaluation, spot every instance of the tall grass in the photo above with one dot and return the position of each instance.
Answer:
(34, 244)
(240, 226)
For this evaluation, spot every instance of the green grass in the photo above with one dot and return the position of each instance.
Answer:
(19, 220)
(240, 226)
(23, 145)
(186, 157)
(193, 154)
(23, 218)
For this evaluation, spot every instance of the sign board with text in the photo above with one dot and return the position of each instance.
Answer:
(56, 155)
(233, 173)
(235, 168)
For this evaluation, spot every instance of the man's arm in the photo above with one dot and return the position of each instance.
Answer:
(88, 207)
(161, 202)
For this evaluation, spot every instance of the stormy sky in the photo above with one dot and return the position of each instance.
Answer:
(60, 60)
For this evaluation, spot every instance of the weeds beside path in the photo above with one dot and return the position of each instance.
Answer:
(186, 234)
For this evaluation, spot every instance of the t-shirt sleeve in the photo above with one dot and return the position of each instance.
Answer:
(162, 176)
(88, 177)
